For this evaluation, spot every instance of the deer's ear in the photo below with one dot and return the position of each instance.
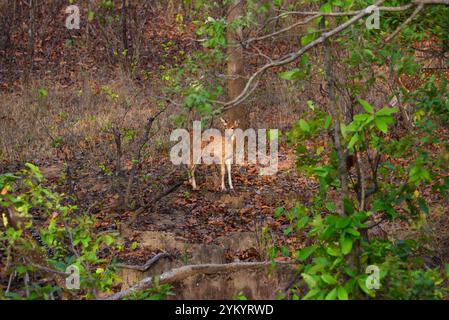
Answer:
(224, 122)
(236, 123)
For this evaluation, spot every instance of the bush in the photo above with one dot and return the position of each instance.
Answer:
(42, 236)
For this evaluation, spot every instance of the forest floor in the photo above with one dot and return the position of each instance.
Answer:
(231, 220)
(182, 221)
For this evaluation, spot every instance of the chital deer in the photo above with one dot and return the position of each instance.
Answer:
(227, 142)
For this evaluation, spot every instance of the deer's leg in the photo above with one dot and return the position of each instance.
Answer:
(223, 172)
(229, 167)
(192, 177)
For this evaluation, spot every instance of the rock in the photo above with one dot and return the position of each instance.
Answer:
(130, 276)
(255, 284)
(52, 172)
(203, 254)
(164, 241)
(238, 241)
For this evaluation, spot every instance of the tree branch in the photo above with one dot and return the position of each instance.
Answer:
(293, 56)
(147, 265)
(409, 19)
(288, 58)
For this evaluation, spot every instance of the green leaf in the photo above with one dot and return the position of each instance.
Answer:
(304, 253)
(311, 283)
(332, 295)
(327, 122)
(305, 40)
(288, 230)
(342, 293)
(333, 251)
(386, 111)
(353, 141)
(422, 205)
(311, 105)
(294, 74)
(328, 279)
(346, 245)
(90, 16)
(381, 124)
(353, 232)
(278, 212)
(302, 222)
(311, 294)
(360, 118)
(327, 7)
(304, 125)
(35, 171)
(349, 208)
(368, 107)
(418, 173)
(43, 93)
(362, 284)
(342, 223)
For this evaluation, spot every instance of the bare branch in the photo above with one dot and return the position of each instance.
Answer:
(245, 43)
(293, 56)
(147, 265)
(288, 58)
(409, 19)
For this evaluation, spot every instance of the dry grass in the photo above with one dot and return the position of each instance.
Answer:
(40, 125)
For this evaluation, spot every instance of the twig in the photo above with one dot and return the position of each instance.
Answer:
(245, 43)
(409, 19)
(375, 224)
(138, 154)
(289, 58)
(95, 291)
(11, 276)
(293, 56)
(335, 113)
(26, 281)
(361, 172)
(154, 200)
(43, 268)
(345, 13)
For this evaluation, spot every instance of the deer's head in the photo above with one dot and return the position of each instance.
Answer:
(229, 125)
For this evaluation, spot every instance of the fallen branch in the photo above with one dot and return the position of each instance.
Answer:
(161, 195)
(165, 193)
(147, 265)
(179, 274)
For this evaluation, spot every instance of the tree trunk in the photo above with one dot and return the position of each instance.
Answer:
(335, 113)
(30, 41)
(125, 34)
(236, 82)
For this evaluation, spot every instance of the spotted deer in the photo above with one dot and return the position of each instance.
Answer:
(225, 157)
